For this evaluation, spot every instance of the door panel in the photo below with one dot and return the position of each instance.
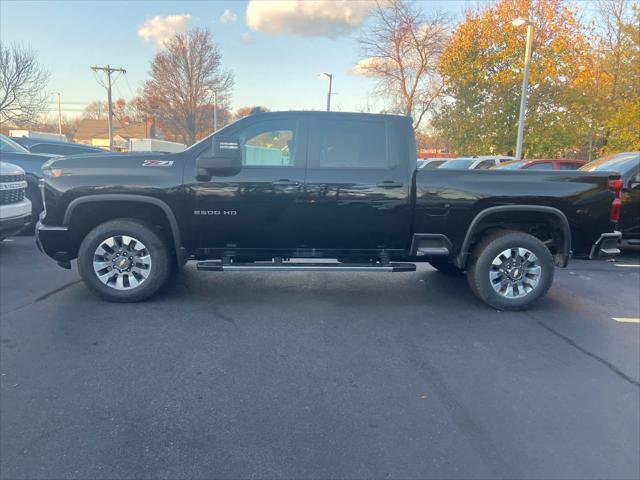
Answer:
(261, 206)
(357, 187)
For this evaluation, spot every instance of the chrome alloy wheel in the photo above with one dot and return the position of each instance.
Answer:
(122, 262)
(515, 272)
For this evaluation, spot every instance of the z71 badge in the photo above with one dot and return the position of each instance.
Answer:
(157, 163)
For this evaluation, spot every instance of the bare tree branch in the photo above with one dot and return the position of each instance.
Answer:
(401, 48)
(23, 83)
(183, 75)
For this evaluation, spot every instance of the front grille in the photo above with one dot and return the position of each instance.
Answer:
(11, 196)
(12, 178)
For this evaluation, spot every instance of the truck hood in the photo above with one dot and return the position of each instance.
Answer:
(106, 160)
(10, 169)
(115, 168)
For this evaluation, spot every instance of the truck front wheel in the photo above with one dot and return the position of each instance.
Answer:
(124, 260)
(510, 270)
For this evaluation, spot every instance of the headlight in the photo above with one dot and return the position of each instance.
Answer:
(48, 170)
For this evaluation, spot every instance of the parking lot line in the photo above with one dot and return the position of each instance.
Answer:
(626, 319)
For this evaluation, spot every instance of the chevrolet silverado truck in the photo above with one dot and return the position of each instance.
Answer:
(274, 188)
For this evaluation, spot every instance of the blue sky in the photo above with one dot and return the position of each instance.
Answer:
(277, 69)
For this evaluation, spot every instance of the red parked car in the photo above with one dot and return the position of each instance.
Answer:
(542, 164)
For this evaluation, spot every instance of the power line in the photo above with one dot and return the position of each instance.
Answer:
(126, 79)
(70, 103)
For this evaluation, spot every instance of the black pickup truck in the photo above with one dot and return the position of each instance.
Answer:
(276, 187)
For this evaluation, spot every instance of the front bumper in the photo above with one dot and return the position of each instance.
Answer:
(56, 242)
(606, 246)
(11, 226)
(14, 217)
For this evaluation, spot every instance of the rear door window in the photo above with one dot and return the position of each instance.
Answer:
(485, 164)
(347, 144)
(569, 165)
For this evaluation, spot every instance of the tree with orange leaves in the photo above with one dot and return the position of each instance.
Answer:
(482, 68)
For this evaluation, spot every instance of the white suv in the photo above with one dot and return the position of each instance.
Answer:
(15, 209)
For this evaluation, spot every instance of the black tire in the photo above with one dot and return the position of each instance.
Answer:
(446, 267)
(157, 248)
(33, 194)
(478, 273)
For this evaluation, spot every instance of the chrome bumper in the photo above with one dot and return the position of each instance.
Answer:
(606, 246)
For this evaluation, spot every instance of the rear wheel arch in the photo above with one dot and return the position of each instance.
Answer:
(85, 213)
(505, 217)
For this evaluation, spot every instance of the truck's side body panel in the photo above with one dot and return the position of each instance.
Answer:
(449, 200)
(312, 185)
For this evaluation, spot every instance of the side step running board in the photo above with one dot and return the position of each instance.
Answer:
(218, 266)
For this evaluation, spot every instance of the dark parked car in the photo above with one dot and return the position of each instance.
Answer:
(542, 164)
(283, 185)
(53, 147)
(14, 153)
(627, 164)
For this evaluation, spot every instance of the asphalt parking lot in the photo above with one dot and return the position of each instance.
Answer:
(317, 375)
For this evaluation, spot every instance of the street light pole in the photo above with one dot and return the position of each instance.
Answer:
(328, 76)
(214, 96)
(525, 83)
(59, 115)
(215, 111)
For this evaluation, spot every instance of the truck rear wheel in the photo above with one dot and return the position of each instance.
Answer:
(124, 260)
(510, 270)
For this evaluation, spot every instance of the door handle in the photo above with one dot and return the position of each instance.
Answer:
(389, 184)
(285, 182)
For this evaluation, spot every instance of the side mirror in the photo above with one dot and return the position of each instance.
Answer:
(634, 184)
(226, 156)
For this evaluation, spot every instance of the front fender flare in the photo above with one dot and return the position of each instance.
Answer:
(118, 197)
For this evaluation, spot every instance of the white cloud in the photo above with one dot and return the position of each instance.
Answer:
(162, 27)
(307, 18)
(246, 38)
(228, 16)
(366, 66)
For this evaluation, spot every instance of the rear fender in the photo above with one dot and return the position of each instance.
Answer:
(564, 251)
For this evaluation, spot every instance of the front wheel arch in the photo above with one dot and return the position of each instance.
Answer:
(84, 213)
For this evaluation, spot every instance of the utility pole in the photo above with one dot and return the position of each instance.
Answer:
(59, 115)
(109, 70)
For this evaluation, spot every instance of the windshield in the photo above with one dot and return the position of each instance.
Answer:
(8, 145)
(619, 162)
(457, 163)
(510, 165)
(429, 165)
